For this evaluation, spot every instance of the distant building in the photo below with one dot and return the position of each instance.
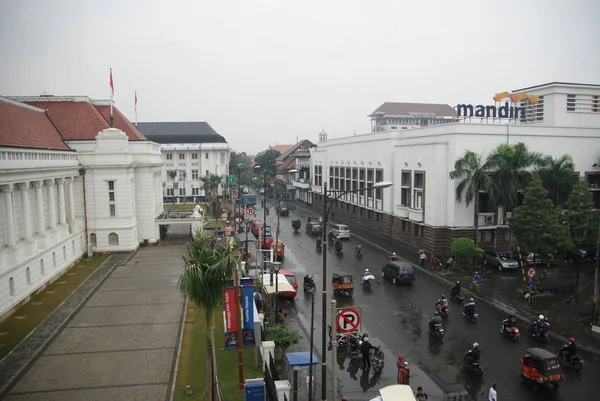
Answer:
(190, 151)
(399, 116)
(69, 184)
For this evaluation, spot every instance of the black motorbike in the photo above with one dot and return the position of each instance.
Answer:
(331, 239)
(358, 253)
(457, 297)
(510, 332)
(444, 312)
(319, 247)
(309, 285)
(574, 361)
(472, 317)
(474, 367)
(436, 331)
(339, 250)
(541, 336)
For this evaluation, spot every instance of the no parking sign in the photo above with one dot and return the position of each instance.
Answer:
(348, 320)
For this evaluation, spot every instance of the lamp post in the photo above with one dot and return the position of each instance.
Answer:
(326, 210)
(595, 313)
(265, 172)
(276, 266)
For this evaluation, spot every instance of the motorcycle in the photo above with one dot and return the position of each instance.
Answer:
(366, 280)
(331, 239)
(457, 297)
(473, 367)
(309, 286)
(512, 332)
(377, 358)
(339, 250)
(319, 247)
(473, 317)
(575, 361)
(541, 336)
(358, 253)
(437, 331)
(444, 312)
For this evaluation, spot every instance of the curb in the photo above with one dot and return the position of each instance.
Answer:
(175, 368)
(502, 307)
(37, 352)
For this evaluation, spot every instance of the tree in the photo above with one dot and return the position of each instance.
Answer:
(245, 168)
(582, 220)
(282, 336)
(210, 184)
(266, 160)
(474, 178)
(558, 176)
(511, 164)
(172, 174)
(537, 224)
(207, 271)
(464, 250)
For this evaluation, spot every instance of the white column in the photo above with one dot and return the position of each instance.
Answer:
(51, 204)
(62, 208)
(9, 216)
(39, 206)
(70, 182)
(24, 187)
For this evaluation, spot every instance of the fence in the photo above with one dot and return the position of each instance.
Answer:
(271, 376)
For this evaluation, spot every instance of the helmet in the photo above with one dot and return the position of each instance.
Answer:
(365, 339)
(541, 317)
(393, 253)
(366, 270)
(472, 300)
(475, 345)
(458, 282)
(546, 319)
(571, 340)
(435, 313)
(443, 296)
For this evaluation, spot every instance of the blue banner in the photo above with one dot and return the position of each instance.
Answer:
(248, 307)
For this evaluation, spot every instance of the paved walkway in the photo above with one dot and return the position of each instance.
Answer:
(122, 344)
(505, 294)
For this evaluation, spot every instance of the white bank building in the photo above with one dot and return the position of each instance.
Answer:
(68, 184)
(420, 209)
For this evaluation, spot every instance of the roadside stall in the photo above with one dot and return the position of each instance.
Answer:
(277, 287)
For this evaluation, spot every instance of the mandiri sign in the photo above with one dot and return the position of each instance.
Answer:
(508, 110)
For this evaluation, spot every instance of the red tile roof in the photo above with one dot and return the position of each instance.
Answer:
(83, 120)
(288, 165)
(24, 127)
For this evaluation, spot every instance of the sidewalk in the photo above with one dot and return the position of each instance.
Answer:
(115, 338)
(505, 294)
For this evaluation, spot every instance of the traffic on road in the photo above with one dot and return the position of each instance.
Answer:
(396, 317)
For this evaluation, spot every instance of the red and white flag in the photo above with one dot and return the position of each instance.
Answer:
(112, 86)
(135, 107)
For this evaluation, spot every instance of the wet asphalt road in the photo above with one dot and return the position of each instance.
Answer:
(396, 317)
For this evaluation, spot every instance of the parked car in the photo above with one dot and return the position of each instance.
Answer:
(576, 256)
(341, 230)
(529, 258)
(290, 277)
(500, 260)
(399, 272)
(314, 228)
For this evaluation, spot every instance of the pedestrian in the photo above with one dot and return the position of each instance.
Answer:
(345, 398)
(493, 395)
(258, 301)
(403, 374)
(422, 256)
(365, 350)
(421, 395)
(433, 260)
(400, 362)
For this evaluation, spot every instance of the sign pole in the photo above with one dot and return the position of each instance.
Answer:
(240, 322)
(334, 347)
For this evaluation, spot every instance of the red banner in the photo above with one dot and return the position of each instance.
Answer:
(229, 313)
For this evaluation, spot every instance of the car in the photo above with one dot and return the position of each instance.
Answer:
(314, 228)
(341, 231)
(576, 256)
(500, 260)
(261, 191)
(399, 272)
(529, 258)
(290, 277)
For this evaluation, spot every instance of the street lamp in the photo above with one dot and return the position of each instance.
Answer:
(326, 210)
(265, 201)
(239, 197)
(276, 266)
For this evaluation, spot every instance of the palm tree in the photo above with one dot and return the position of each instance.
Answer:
(511, 165)
(558, 177)
(474, 179)
(207, 272)
(210, 183)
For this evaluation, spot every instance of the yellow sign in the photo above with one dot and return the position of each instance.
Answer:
(517, 97)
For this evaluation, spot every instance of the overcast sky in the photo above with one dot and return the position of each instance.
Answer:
(262, 72)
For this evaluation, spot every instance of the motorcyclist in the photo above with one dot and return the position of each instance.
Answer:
(570, 349)
(365, 350)
(309, 281)
(367, 273)
(443, 303)
(435, 320)
(393, 257)
(542, 325)
(330, 236)
(456, 290)
(319, 243)
(509, 323)
(358, 248)
(474, 354)
(338, 244)
(470, 307)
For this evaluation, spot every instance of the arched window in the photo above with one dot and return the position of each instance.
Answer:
(28, 276)
(53, 259)
(113, 239)
(93, 239)
(11, 286)
(42, 269)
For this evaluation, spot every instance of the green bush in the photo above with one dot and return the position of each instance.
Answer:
(464, 251)
(282, 336)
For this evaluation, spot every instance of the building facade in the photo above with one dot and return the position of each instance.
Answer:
(420, 208)
(69, 183)
(399, 116)
(190, 151)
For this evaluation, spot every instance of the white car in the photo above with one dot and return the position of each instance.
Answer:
(341, 231)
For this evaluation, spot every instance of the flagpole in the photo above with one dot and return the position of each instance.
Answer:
(136, 116)
(112, 94)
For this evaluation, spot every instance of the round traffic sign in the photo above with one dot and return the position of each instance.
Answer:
(348, 320)
(250, 210)
(531, 273)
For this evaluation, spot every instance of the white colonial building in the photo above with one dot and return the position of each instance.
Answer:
(190, 151)
(69, 183)
(420, 209)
